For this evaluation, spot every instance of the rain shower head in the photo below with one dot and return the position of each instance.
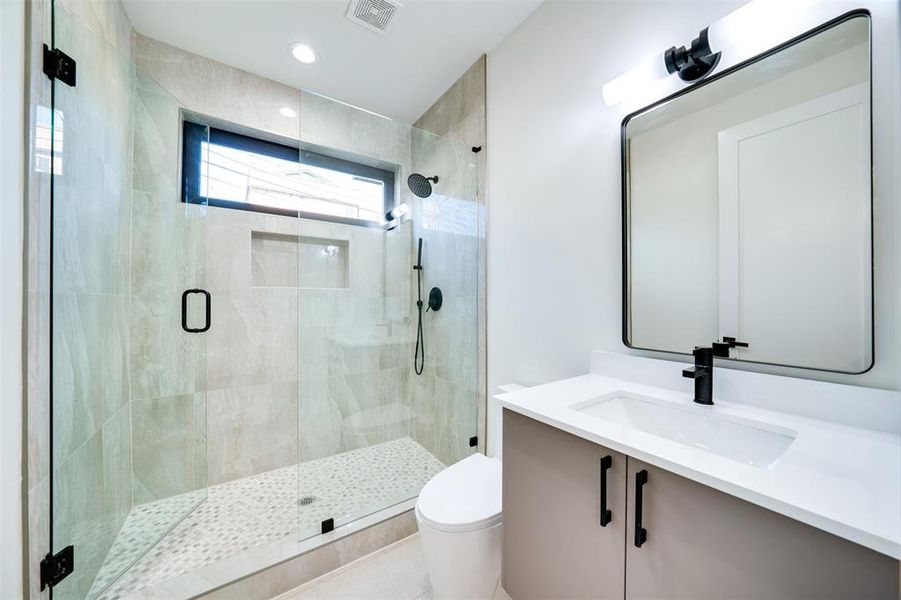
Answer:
(419, 184)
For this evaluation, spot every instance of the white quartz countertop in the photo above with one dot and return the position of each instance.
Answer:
(841, 479)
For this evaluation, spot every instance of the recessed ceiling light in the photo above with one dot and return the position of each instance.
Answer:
(287, 111)
(303, 53)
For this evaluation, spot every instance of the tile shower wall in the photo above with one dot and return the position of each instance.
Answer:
(289, 360)
(168, 379)
(449, 399)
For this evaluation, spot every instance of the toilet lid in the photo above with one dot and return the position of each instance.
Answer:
(464, 496)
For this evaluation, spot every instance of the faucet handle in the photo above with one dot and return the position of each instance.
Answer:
(694, 372)
(733, 343)
(721, 349)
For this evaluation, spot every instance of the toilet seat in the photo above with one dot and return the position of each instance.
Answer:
(465, 496)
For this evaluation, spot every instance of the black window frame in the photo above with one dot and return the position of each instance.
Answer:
(194, 133)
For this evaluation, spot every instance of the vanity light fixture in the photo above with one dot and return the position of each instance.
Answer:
(303, 53)
(763, 19)
(695, 62)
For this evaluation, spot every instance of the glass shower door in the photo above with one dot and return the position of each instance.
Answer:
(372, 431)
(127, 407)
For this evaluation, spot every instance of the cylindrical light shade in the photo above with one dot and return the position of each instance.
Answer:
(766, 22)
(754, 19)
(634, 81)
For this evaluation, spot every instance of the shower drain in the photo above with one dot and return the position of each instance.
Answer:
(306, 500)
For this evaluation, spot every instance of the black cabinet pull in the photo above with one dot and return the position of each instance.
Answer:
(641, 534)
(606, 514)
(184, 310)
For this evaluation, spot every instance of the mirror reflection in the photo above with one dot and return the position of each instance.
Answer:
(762, 176)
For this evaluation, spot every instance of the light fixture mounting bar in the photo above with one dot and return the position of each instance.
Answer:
(692, 63)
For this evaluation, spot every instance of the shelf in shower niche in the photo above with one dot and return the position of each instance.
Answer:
(295, 261)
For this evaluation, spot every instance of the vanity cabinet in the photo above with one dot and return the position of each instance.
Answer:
(699, 543)
(554, 543)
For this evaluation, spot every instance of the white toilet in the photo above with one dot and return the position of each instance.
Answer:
(460, 524)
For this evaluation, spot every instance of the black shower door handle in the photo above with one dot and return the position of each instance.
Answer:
(184, 310)
(641, 534)
(606, 513)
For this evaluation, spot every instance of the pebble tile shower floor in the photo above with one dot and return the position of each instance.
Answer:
(263, 508)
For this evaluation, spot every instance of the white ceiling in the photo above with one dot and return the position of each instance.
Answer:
(400, 75)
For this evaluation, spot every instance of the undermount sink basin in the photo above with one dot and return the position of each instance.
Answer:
(744, 440)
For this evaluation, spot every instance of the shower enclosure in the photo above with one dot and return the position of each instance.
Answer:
(232, 318)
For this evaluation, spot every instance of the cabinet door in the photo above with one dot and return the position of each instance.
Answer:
(554, 543)
(702, 543)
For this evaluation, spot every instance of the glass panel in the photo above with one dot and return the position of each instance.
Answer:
(128, 384)
(371, 430)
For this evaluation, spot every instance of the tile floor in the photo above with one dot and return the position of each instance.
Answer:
(263, 508)
(396, 572)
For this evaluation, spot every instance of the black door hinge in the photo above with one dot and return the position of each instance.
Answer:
(473, 441)
(56, 567)
(59, 65)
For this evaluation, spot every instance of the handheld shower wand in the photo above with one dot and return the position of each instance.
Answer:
(419, 355)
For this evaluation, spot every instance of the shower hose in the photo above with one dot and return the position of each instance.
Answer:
(419, 355)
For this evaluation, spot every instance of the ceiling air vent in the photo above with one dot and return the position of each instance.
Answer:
(375, 15)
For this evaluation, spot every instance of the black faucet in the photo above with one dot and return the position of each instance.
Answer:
(702, 372)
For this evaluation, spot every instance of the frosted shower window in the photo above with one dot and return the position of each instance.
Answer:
(249, 173)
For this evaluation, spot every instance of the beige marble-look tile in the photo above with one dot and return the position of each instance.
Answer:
(215, 89)
(228, 252)
(329, 124)
(274, 259)
(107, 18)
(38, 388)
(168, 245)
(322, 263)
(167, 447)
(38, 536)
(90, 359)
(251, 429)
(156, 135)
(320, 422)
(290, 574)
(253, 339)
(92, 496)
(92, 193)
(395, 572)
(163, 357)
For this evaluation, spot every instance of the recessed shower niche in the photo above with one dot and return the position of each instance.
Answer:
(290, 261)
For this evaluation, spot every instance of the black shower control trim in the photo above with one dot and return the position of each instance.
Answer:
(436, 299)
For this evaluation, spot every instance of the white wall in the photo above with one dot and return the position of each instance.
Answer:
(554, 260)
(12, 96)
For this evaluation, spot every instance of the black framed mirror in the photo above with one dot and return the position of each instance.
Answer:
(748, 208)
